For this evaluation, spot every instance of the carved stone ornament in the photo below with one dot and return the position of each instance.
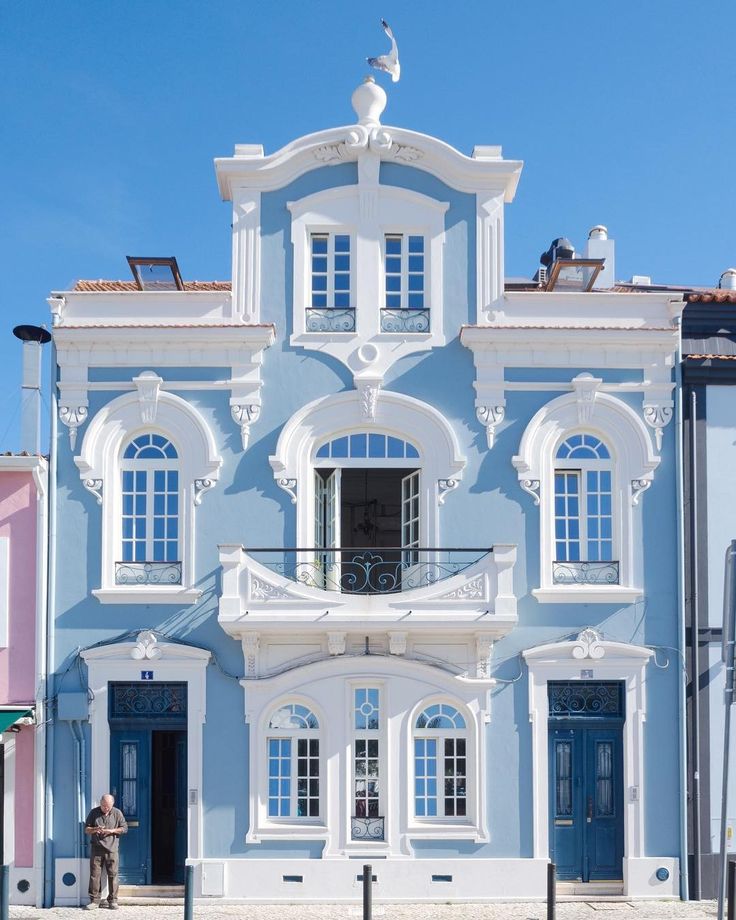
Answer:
(638, 487)
(95, 487)
(251, 646)
(657, 416)
(397, 643)
(73, 417)
(262, 590)
(483, 649)
(444, 486)
(532, 487)
(148, 385)
(490, 417)
(289, 486)
(368, 400)
(405, 153)
(146, 647)
(588, 645)
(245, 414)
(472, 590)
(586, 389)
(336, 643)
(200, 487)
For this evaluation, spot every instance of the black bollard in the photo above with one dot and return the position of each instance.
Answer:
(367, 892)
(551, 891)
(4, 891)
(188, 892)
(731, 888)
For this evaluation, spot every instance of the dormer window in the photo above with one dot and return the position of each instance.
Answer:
(405, 305)
(331, 308)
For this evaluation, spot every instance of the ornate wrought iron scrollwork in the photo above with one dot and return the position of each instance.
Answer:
(155, 700)
(404, 320)
(367, 828)
(583, 698)
(585, 573)
(330, 319)
(148, 573)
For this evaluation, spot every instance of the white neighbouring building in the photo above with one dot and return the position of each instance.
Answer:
(370, 554)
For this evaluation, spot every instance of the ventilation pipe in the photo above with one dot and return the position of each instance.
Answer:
(728, 280)
(598, 246)
(33, 337)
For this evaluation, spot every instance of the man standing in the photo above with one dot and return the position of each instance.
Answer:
(104, 824)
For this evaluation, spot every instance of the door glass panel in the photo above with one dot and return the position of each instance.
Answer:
(563, 779)
(604, 779)
(129, 778)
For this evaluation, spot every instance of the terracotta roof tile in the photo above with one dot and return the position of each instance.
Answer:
(711, 357)
(715, 295)
(102, 286)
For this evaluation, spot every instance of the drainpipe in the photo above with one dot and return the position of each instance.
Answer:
(39, 752)
(74, 729)
(48, 862)
(695, 647)
(682, 670)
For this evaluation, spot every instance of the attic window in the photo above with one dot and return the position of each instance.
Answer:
(573, 274)
(158, 274)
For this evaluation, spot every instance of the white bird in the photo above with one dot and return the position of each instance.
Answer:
(389, 63)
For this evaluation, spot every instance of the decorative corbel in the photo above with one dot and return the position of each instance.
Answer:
(657, 415)
(483, 649)
(397, 643)
(638, 487)
(289, 486)
(443, 487)
(531, 487)
(368, 391)
(73, 417)
(586, 388)
(148, 385)
(490, 417)
(251, 647)
(336, 643)
(244, 414)
(200, 487)
(95, 487)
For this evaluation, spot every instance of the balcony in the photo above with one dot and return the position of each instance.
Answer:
(325, 588)
(330, 319)
(410, 320)
(147, 573)
(585, 573)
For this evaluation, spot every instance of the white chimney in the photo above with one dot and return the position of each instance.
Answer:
(598, 246)
(33, 337)
(728, 280)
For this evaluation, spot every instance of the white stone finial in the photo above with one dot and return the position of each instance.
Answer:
(369, 100)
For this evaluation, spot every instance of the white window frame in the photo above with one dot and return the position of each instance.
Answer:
(294, 735)
(440, 734)
(633, 462)
(99, 464)
(380, 735)
(405, 233)
(391, 210)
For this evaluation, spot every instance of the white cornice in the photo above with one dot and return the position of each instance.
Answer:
(172, 338)
(345, 144)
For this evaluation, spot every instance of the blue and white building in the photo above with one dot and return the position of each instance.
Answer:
(369, 555)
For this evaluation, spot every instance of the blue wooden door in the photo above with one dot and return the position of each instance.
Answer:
(586, 801)
(130, 778)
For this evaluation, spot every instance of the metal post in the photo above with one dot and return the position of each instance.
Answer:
(4, 891)
(551, 890)
(188, 893)
(728, 655)
(367, 892)
(732, 889)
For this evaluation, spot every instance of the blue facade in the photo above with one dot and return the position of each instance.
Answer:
(531, 352)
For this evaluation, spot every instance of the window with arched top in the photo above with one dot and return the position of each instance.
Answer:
(583, 511)
(150, 508)
(440, 763)
(293, 763)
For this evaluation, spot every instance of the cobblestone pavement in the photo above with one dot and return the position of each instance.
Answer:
(517, 910)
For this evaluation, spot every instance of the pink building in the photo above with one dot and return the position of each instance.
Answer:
(22, 670)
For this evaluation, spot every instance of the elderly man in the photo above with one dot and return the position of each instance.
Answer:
(104, 825)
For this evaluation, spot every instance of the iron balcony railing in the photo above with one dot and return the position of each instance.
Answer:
(585, 573)
(393, 320)
(330, 319)
(368, 569)
(367, 828)
(148, 573)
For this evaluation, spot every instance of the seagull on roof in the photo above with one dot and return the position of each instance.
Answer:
(389, 63)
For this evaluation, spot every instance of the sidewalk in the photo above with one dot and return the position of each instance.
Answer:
(516, 910)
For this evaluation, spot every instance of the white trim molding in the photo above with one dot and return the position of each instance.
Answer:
(99, 469)
(600, 659)
(441, 461)
(173, 662)
(633, 459)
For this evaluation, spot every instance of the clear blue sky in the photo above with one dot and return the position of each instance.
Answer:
(113, 110)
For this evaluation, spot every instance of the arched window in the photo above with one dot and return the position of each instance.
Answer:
(583, 513)
(293, 763)
(440, 763)
(149, 512)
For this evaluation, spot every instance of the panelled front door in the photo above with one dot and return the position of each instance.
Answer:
(130, 783)
(586, 787)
